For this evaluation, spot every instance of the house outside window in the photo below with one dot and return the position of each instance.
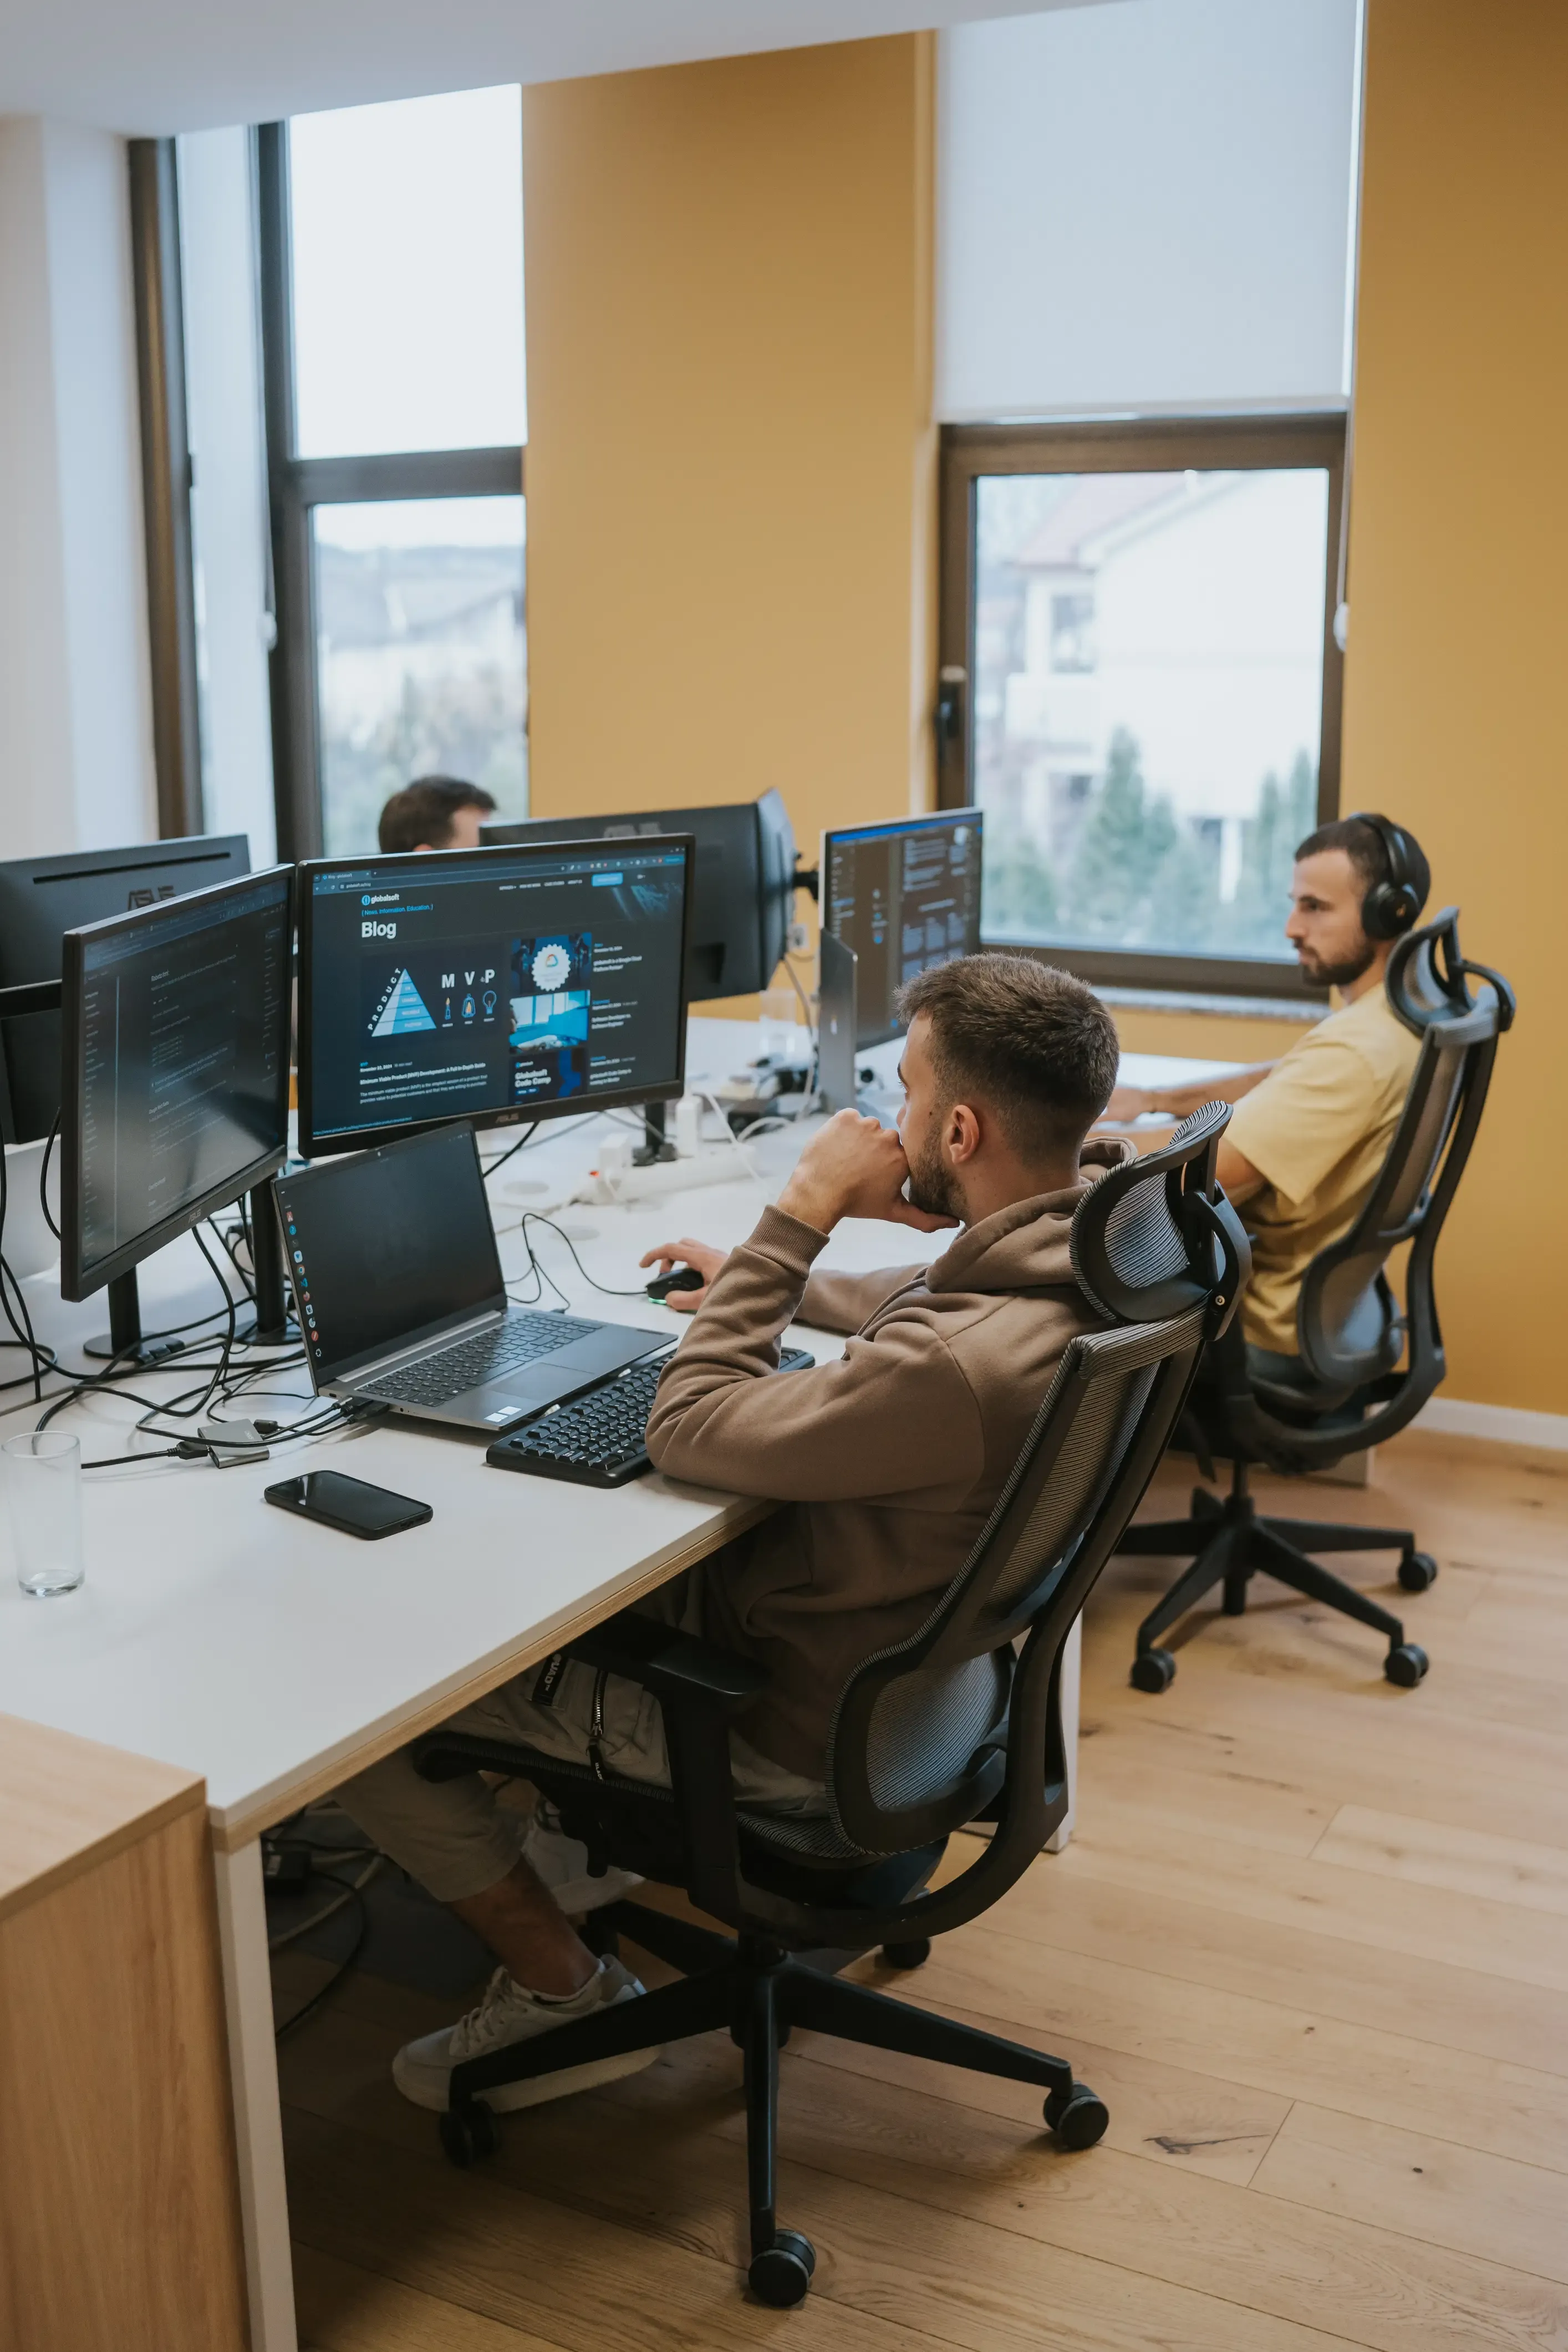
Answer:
(1152, 721)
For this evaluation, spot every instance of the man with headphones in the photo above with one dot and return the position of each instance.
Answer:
(1312, 1130)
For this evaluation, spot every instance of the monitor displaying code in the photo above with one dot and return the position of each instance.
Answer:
(902, 897)
(183, 1054)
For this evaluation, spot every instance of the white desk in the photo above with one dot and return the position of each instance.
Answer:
(275, 1657)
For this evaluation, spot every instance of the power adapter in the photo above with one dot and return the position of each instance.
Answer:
(287, 1867)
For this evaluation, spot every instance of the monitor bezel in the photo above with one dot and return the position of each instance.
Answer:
(79, 1280)
(881, 825)
(315, 1146)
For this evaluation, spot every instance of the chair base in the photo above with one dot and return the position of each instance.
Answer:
(1232, 1542)
(757, 1993)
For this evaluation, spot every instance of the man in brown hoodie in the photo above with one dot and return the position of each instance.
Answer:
(886, 1463)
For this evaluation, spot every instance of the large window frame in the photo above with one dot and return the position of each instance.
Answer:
(296, 485)
(1130, 446)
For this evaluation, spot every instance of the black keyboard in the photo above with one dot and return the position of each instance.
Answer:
(435, 1379)
(597, 1440)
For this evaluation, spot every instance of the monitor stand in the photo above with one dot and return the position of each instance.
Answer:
(654, 1145)
(274, 1326)
(122, 1342)
(837, 1014)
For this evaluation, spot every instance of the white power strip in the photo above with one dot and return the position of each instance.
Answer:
(725, 1165)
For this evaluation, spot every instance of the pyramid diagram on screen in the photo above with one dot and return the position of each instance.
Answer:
(402, 1009)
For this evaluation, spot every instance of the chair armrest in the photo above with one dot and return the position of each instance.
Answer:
(676, 1668)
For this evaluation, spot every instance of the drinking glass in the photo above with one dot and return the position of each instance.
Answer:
(43, 1489)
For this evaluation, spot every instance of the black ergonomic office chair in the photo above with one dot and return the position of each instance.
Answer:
(948, 1727)
(1351, 1336)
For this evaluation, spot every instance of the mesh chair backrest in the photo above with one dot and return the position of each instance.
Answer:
(1348, 1330)
(911, 1719)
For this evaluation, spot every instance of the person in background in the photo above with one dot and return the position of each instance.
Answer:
(435, 812)
(1312, 1129)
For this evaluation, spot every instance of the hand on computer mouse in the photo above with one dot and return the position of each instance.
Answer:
(684, 1290)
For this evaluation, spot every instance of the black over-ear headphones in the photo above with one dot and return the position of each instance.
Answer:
(1391, 906)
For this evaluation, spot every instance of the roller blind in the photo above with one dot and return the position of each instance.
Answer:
(1146, 205)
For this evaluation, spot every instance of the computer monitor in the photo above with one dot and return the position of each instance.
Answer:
(175, 1079)
(742, 899)
(900, 897)
(494, 985)
(41, 899)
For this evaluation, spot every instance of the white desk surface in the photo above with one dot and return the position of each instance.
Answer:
(274, 1657)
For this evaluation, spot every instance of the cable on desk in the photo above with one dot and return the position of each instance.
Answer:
(535, 1217)
(511, 1153)
(44, 1180)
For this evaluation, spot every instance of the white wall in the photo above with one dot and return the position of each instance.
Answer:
(76, 729)
(223, 386)
(1146, 207)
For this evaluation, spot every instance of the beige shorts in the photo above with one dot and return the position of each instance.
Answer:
(457, 1839)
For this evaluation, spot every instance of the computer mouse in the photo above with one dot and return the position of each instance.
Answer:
(685, 1278)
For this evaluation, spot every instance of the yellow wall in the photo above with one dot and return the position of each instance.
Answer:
(731, 509)
(730, 460)
(1456, 667)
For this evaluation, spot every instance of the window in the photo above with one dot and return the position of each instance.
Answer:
(392, 273)
(1141, 616)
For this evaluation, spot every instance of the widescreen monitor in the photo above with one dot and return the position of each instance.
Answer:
(742, 896)
(488, 984)
(902, 897)
(41, 899)
(175, 1073)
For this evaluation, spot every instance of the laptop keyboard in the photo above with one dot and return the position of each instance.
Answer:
(437, 1379)
(598, 1440)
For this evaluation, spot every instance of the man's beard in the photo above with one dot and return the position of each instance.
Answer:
(932, 1186)
(1335, 975)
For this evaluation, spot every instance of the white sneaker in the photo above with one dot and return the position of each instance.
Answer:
(508, 2014)
(560, 1862)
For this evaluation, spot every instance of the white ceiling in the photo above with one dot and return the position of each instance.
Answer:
(149, 67)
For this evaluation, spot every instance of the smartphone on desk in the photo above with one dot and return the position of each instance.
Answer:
(348, 1503)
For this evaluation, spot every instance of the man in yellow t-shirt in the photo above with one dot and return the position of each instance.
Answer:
(1312, 1129)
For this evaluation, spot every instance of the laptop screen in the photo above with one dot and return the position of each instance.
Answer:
(390, 1247)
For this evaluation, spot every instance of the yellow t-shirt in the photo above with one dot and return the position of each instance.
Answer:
(1317, 1130)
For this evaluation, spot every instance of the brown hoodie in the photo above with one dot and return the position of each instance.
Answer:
(891, 1457)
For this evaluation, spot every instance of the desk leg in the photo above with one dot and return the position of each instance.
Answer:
(257, 2115)
(1072, 1667)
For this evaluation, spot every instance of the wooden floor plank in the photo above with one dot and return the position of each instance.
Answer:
(1426, 2188)
(890, 2275)
(344, 2308)
(1310, 1943)
(1010, 1984)
(1466, 1863)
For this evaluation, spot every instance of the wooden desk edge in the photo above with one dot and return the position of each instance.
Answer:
(234, 1826)
(61, 1755)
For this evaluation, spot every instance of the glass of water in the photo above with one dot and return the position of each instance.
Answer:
(43, 1490)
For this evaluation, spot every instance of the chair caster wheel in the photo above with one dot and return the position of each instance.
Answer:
(781, 2273)
(913, 1955)
(1078, 2118)
(1419, 1571)
(1154, 1671)
(469, 2133)
(1405, 1666)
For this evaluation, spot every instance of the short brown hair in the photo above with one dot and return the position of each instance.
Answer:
(1363, 846)
(1037, 1046)
(424, 809)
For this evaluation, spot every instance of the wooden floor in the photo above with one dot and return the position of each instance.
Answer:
(1310, 1943)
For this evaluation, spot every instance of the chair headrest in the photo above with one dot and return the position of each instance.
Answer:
(1426, 982)
(1156, 1236)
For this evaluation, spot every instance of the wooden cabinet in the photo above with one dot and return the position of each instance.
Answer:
(119, 2203)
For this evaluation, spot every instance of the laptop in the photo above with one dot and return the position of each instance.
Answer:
(398, 1288)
